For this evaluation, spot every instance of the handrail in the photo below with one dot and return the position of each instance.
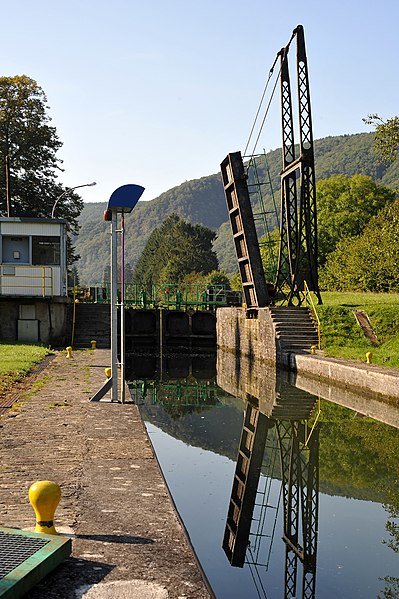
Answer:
(169, 296)
(43, 278)
(308, 433)
(310, 303)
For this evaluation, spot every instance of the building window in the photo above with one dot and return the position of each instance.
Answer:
(45, 250)
(15, 249)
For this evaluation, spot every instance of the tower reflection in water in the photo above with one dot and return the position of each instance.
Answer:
(279, 441)
(280, 421)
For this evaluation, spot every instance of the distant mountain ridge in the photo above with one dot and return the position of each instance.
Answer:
(202, 201)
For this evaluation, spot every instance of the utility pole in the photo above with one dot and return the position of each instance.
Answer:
(8, 186)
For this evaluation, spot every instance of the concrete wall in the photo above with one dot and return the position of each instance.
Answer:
(359, 378)
(255, 340)
(251, 337)
(51, 316)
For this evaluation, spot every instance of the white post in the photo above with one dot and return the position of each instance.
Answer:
(122, 309)
(114, 302)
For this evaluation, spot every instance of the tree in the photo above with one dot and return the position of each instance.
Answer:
(386, 141)
(28, 144)
(344, 206)
(370, 261)
(174, 250)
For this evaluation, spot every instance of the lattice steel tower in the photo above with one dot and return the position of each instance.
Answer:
(297, 256)
(298, 223)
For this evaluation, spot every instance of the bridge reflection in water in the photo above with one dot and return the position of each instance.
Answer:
(274, 500)
(286, 419)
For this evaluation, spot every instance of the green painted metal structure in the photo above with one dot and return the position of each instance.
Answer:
(171, 296)
(26, 558)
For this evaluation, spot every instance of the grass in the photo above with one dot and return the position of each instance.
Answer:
(17, 359)
(342, 337)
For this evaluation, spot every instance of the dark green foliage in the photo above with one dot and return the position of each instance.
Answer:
(31, 144)
(344, 206)
(174, 250)
(370, 261)
(386, 136)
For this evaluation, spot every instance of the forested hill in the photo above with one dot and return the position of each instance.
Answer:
(202, 201)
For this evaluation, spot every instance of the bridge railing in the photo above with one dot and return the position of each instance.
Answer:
(169, 296)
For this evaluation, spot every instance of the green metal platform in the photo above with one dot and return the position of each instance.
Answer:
(26, 558)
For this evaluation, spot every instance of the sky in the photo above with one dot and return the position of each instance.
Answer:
(158, 92)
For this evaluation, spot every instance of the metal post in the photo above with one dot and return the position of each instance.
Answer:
(114, 313)
(122, 308)
(8, 187)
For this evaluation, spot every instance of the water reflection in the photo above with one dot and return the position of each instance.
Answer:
(290, 457)
(279, 416)
(174, 381)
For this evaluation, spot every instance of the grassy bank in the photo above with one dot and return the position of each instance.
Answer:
(342, 337)
(16, 360)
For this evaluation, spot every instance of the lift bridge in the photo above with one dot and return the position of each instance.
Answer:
(292, 260)
(254, 504)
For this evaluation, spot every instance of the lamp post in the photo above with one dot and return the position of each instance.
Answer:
(67, 190)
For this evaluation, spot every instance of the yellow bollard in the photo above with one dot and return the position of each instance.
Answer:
(93, 344)
(44, 497)
(369, 357)
(69, 352)
(107, 372)
(313, 349)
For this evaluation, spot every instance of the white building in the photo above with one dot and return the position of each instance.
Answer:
(33, 278)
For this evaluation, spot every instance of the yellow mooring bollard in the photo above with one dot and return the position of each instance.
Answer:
(108, 372)
(93, 344)
(44, 497)
(369, 357)
(69, 352)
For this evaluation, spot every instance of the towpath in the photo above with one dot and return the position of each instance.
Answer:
(127, 539)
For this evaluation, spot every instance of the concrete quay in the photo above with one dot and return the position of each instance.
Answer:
(127, 538)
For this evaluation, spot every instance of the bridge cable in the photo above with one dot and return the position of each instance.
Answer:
(283, 50)
(260, 104)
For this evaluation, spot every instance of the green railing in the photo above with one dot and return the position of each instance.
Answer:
(169, 296)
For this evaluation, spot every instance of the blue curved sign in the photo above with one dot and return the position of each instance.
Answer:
(125, 198)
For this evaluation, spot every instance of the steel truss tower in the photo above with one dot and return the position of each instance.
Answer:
(298, 224)
(297, 261)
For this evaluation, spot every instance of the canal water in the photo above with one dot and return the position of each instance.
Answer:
(283, 494)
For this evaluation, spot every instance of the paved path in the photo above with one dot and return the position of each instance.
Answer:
(128, 541)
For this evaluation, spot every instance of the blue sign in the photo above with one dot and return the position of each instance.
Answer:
(125, 198)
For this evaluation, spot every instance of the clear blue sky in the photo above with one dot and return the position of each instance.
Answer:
(157, 92)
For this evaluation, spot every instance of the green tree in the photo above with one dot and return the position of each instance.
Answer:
(235, 282)
(344, 206)
(29, 144)
(386, 142)
(174, 250)
(370, 261)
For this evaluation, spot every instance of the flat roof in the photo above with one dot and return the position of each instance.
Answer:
(27, 219)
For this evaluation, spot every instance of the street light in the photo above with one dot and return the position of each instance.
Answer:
(68, 189)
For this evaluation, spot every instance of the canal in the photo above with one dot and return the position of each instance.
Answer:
(283, 494)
